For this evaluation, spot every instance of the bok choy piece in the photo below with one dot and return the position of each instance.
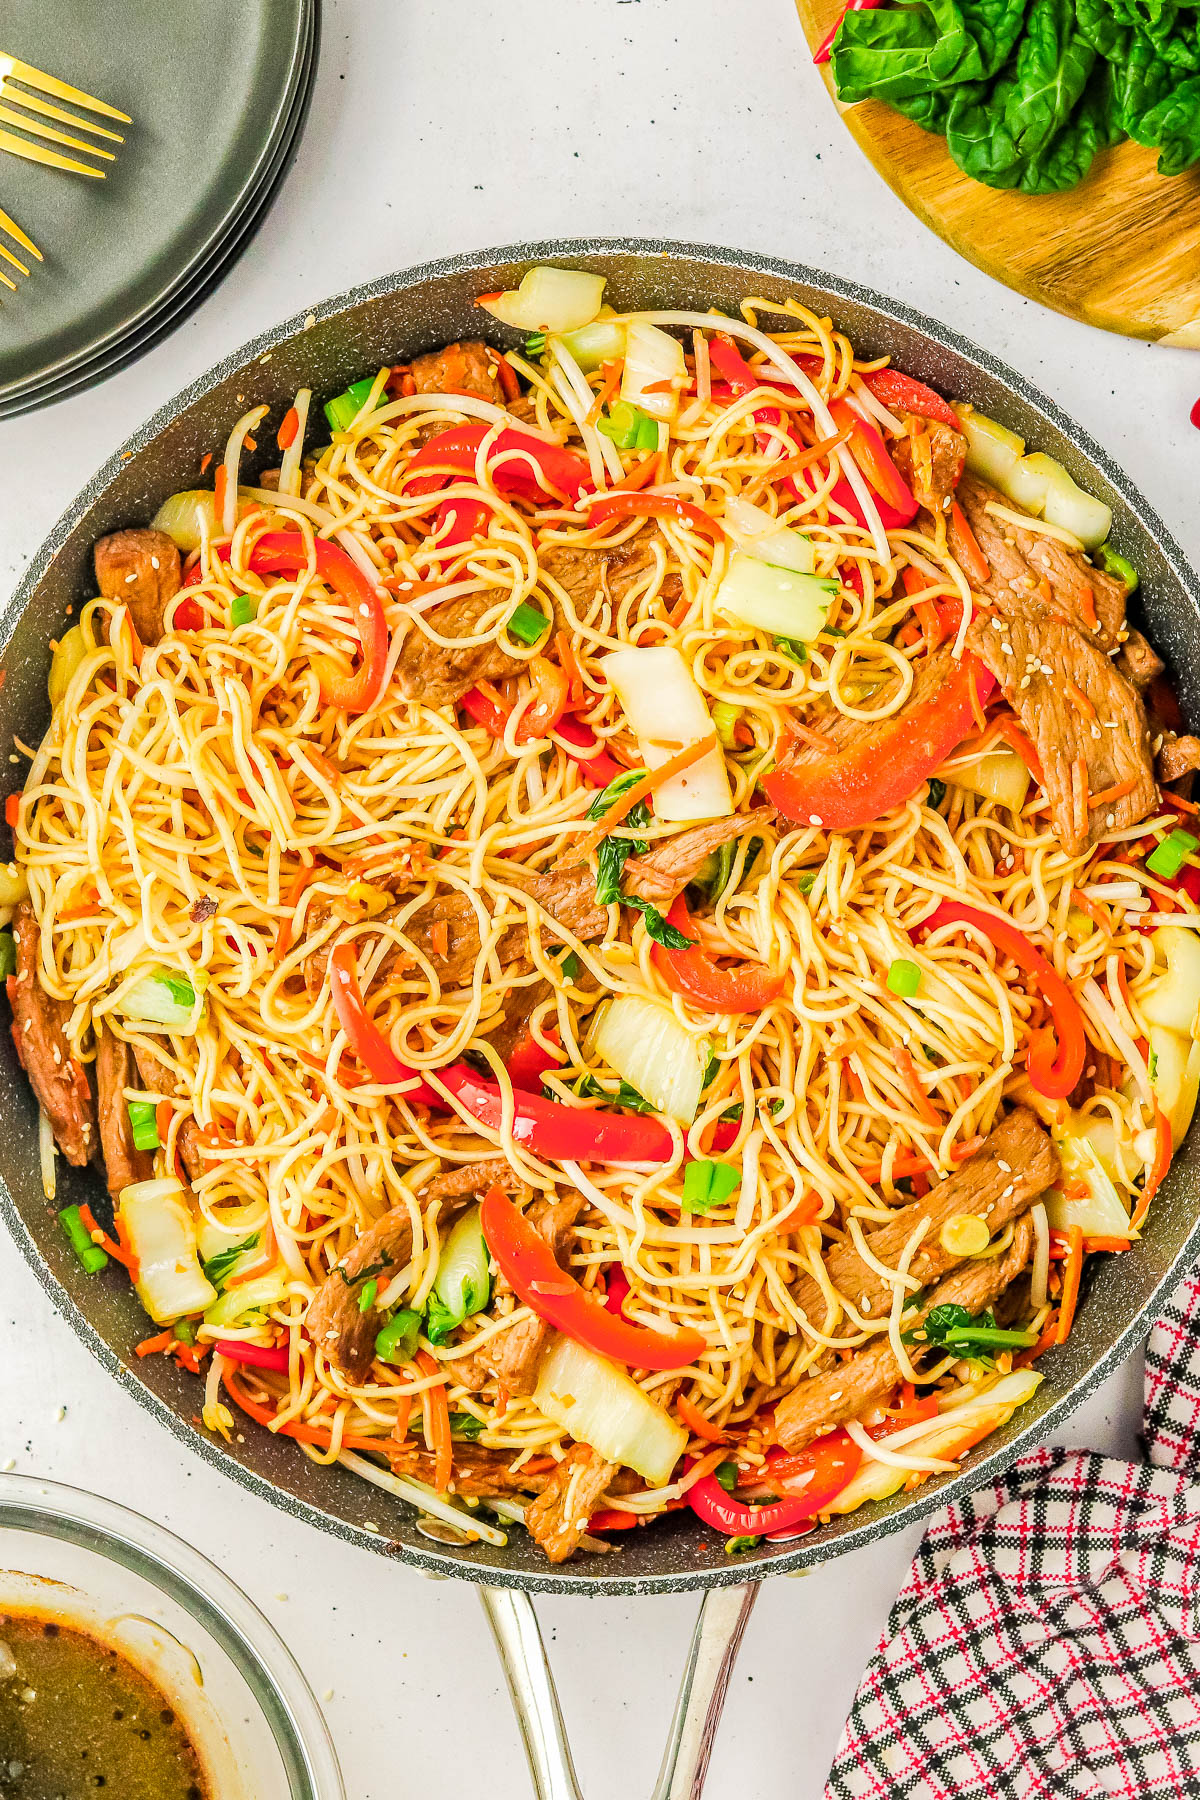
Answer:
(648, 1047)
(463, 1285)
(158, 1225)
(600, 1405)
(167, 999)
(554, 300)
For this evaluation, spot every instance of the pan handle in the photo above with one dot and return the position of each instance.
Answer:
(716, 1640)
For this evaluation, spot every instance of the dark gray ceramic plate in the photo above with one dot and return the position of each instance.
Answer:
(393, 319)
(85, 372)
(210, 88)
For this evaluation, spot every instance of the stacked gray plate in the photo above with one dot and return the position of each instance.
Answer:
(218, 95)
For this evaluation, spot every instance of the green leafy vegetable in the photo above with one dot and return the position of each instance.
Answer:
(614, 852)
(588, 1088)
(218, 1267)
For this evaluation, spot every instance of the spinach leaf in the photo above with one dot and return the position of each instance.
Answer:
(614, 852)
(1173, 127)
(588, 1088)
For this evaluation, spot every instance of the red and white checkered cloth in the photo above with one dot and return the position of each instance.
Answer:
(1047, 1640)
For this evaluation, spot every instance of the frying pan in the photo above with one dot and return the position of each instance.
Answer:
(391, 320)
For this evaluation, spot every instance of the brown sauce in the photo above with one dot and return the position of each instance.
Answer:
(79, 1722)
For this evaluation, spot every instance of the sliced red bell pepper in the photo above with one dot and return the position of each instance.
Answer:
(484, 711)
(700, 979)
(825, 1467)
(353, 691)
(621, 504)
(561, 1133)
(598, 768)
(854, 787)
(458, 521)
(528, 1061)
(890, 517)
(254, 1356)
(529, 1265)
(363, 1037)
(551, 690)
(869, 451)
(1057, 1053)
(616, 1289)
(542, 473)
(900, 392)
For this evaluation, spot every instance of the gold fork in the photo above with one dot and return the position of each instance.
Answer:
(27, 111)
(14, 231)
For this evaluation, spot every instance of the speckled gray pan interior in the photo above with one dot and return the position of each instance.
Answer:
(324, 347)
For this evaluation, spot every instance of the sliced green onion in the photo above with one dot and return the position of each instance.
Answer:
(727, 1474)
(1168, 858)
(904, 978)
(527, 624)
(1113, 563)
(734, 1546)
(143, 1116)
(793, 649)
(90, 1255)
(243, 608)
(629, 427)
(397, 1342)
(366, 1298)
(344, 408)
(535, 345)
(8, 954)
(707, 1184)
(725, 717)
(992, 1335)
(185, 1331)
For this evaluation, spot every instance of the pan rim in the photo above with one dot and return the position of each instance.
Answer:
(887, 1518)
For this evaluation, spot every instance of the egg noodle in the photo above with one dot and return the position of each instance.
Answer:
(197, 805)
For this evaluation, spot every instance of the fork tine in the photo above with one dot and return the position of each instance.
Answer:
(9, 257)
(7, 282)
(61, 90)
(35, 128)
(18, 97)
(20, 146)
(14, 231)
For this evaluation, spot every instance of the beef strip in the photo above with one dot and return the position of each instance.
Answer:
(1038, 661)
(334, 1322)
(158, 1080)
(521, 1004)
(931, 459)
(1138, 661)
(661, 875)
(468, 367)
(478, 1471)
(820, 1403)
(1019, 559)
(435, 676)
(39, 1032)
(512, 1356)
(1177, 756)
(581, 570)
(568, 895)
(1016, 1164)
(124, 1163)
(142, 569)
(558, 1518)
(473, 1178)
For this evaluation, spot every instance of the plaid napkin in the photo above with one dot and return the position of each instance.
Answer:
(1047, 1639)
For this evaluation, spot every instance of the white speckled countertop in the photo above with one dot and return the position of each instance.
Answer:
(435, 128)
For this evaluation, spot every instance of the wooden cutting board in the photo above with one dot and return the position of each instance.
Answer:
(1121, 250)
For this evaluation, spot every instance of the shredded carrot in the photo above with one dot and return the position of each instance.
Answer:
(220, 482)
(1087, 606)
(805, 1211)
(508, 378)
(1070, 1289)
(972, 561)
(12, 810)
(809, 734)
(679, 611)
(150, 1345)
(911, 632)
(1118, 791)
(439, 938)
(568, 662)
(1046, 1342)
(695, 1421)
(823, 447)
(204, 462)
(912, 1082)
(436, 1412)
(911, 1162)
(659, 387)
(490, 692)
(1092, 908)
(118, 1251)
(1019, 741)
(1111, 1246)
(295, 1428)
(162, 1119)
(286, 435)
(611, 373)
(641, 790)
(403, 1414)
(291, 900)
(1079, 699)
(647, 473)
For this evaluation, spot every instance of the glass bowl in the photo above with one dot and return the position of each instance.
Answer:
(89, 1563)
